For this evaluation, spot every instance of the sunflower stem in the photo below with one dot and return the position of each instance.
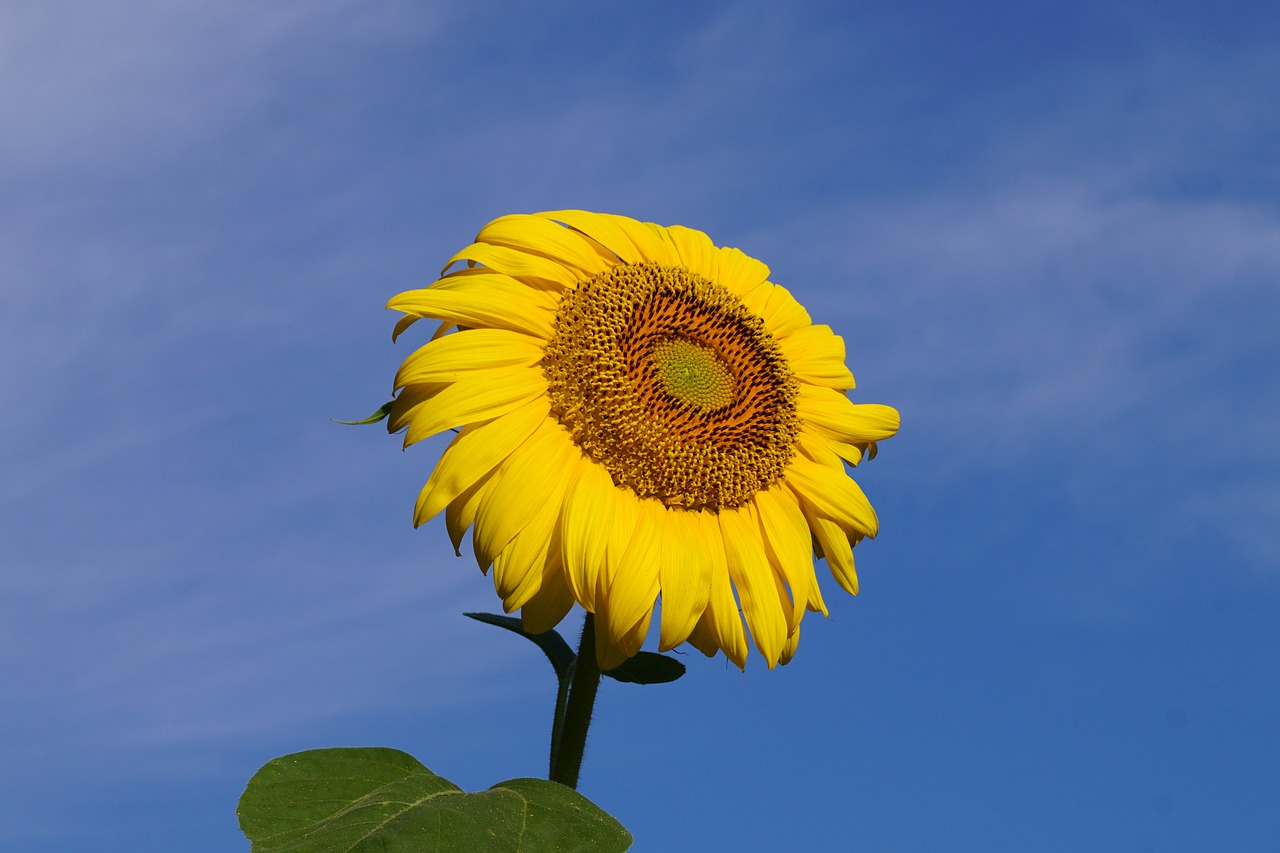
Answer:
(566, 759)
(557, 724)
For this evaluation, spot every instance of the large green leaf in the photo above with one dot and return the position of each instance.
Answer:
(376, 799)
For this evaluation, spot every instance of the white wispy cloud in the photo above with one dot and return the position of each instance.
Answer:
(93, 86)
(1036, 314)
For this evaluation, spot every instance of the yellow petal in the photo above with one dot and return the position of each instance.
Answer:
(836, 549)
(588, 514)
(482, 279)
(782, 314)
(817, 357)
(635, 584)
(552, 602)
(493, 301)
(447, 359)
(788, 545)
(756, 298)
(684, 574)
(476, 451)
(816, 604)
(533, 270)
(789, 650)
(754, 581)
(518, 570)
(631, 641)
(739, 272)
(539, 236)
(663, 236)
(609, 655)
(697, 253)
(850, 453)
(721, 621)
(701, 637)
(526, 481)
(461, 513)
(829, 411)
(408, 402)
(790, 606)
(477, 396)
(516, 579)
(630, 240)
(626, 510)
(402, 324)
(831, 493)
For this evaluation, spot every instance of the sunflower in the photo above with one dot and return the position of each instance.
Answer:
(641, 416)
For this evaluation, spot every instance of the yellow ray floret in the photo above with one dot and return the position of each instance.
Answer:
(644, 423)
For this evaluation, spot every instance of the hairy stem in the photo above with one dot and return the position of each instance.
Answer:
(566, 760)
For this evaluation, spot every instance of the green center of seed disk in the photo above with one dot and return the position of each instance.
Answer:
(693, 374)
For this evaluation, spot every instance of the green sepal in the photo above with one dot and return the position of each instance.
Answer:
(551, 643)
(647, 668)
(376, 799)
(380, 415)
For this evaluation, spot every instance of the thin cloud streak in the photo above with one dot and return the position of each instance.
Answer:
(1052, 324)
(1043, 312)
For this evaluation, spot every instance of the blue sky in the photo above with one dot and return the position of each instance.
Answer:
(1049, 234)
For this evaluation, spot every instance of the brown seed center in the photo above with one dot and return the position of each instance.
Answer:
(664, 378)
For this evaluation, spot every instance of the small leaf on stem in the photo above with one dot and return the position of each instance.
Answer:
(647, 668)
(551, 643)
(380, 415)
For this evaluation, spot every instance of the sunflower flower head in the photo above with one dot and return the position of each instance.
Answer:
(645, 422)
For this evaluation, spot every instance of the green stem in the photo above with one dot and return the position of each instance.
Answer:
(557, 724)
(567, 759)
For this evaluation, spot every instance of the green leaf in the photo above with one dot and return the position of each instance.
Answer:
(551, 643)
(647, 668)
(379, 415)
(376, 799)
